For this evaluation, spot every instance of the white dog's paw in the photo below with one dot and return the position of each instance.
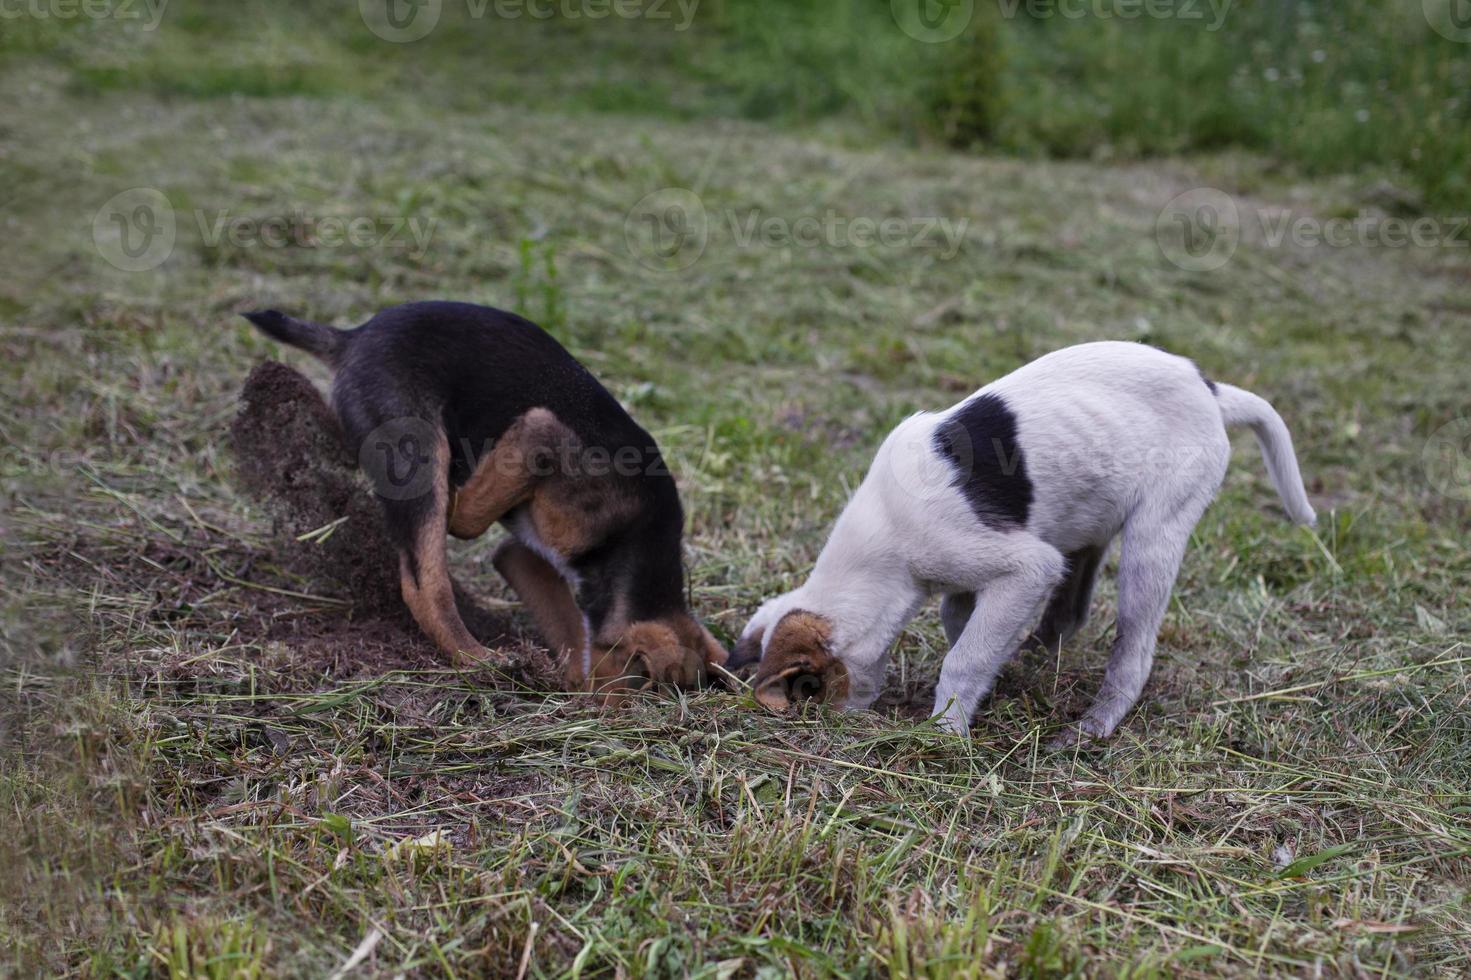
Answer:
(949, 719)
(1066, 739)
(1087, 731)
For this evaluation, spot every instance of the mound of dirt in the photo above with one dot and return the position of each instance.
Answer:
(290, 456)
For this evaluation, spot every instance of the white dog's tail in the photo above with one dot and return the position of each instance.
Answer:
(1241, 407)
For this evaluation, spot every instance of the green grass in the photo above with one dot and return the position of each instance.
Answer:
(204, 769)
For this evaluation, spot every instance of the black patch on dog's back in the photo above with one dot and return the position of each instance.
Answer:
(980, 441)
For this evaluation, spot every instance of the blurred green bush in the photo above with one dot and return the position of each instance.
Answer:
(1328, 87)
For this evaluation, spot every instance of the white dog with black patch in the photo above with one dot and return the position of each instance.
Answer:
(1005, 505)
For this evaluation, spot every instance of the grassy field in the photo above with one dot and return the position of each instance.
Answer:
(212, 766)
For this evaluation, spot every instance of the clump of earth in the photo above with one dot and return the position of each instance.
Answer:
(291, 457)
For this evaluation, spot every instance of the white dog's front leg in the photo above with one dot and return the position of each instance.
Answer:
(865, 682)
(1005, 607)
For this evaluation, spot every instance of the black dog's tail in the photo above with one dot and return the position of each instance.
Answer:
(317, 339)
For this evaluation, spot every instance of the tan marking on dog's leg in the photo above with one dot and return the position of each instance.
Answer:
(614, 674)
(615, 623)
(424, 578)
(563, 530)
(574, 513)
(500, 481)
(673, 650)
(506, 476)
(661, 654)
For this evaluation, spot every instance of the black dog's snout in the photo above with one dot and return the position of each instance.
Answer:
(742, 655)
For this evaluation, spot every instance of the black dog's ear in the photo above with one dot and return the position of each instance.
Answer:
(747, 651)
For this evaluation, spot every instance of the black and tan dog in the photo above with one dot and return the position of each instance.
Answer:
(463, 416)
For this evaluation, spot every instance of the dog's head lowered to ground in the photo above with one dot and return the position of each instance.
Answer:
(674, 651)
(798, 662)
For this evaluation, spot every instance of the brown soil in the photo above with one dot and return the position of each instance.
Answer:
(290, 456)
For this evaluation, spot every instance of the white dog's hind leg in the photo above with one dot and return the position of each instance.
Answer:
(1006, 603)
(1148, 563)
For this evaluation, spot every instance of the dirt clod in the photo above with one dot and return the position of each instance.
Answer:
(290, 456)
